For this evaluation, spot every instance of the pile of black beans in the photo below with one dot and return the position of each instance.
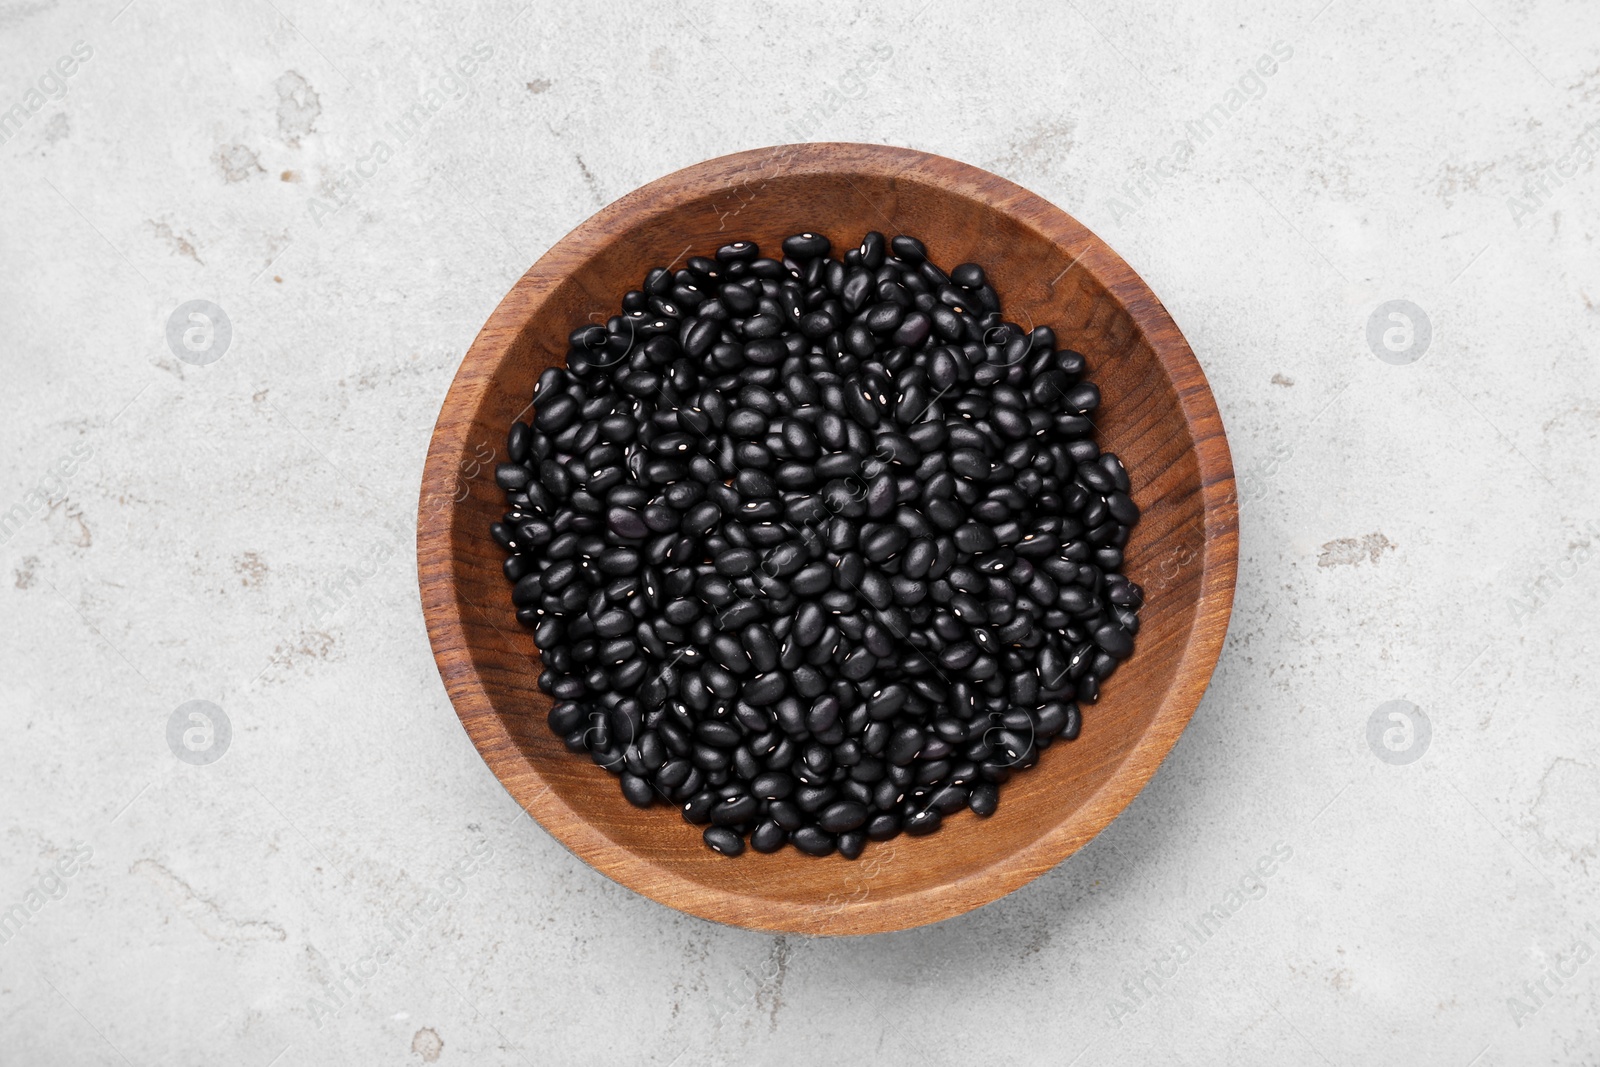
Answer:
(819, 550)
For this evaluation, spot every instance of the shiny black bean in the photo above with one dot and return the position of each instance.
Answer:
(765, 352)
(968, 276)
(909, 249)
(1116, 641)
(883, 318)
(723, 840)
(904, 744)
(913, 330)
(735, 810)
(888, 701)
(841, 816)
(719, 734)
(697, 809)
(1122, 508)
(985, 799)
(885, 542)
(637, 790)
(806, 246)
(858, 665)
(768, 837)
(813, 841)
(974, 538)
(765, 689)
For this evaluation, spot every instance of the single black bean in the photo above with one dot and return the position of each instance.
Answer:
(735, 810)
(723, 840)
(883, 318)
(765, 689)
(841, 816)
(1114, 640)
(985, 799)
(638, 790)
(909, 249)
(813, 841)
(768, 837)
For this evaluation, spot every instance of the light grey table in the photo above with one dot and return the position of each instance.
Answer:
(348, 884)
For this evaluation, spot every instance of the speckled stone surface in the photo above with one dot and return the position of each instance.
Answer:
(221, 509)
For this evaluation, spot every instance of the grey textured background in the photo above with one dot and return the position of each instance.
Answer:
(241, 532)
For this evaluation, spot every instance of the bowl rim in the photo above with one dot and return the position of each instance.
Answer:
(437, 563)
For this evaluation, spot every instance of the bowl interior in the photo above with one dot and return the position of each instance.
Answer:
(1047, 270)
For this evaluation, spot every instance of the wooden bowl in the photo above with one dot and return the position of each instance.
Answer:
(1157, 414)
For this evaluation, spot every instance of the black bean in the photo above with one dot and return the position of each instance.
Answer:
(512, 477)
(872, 250)
(968, 276)
(885, 542)
(637, 790)
(786, 814)
(813, 841)
(959, 656)
(717, 733)
(674, 773)
(887, 701)
(858, 665)
(765, 689)
(913, 330)
(697, 809)
(974, 538)
(1122, 508)
(841, 816)
(909, 249)
(985, 798)
(723, 840)
(1114, 640)
(904, 744)
(738, 251)
(806, 246)
(735, 810)
(556, 414)
(883, 318)
(618, 561)
(772, 785)
(768, 837)
(883, 826)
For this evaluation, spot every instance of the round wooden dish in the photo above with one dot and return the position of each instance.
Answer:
(1158, 415)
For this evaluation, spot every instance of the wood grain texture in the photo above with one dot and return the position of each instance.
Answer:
(1158, 415)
